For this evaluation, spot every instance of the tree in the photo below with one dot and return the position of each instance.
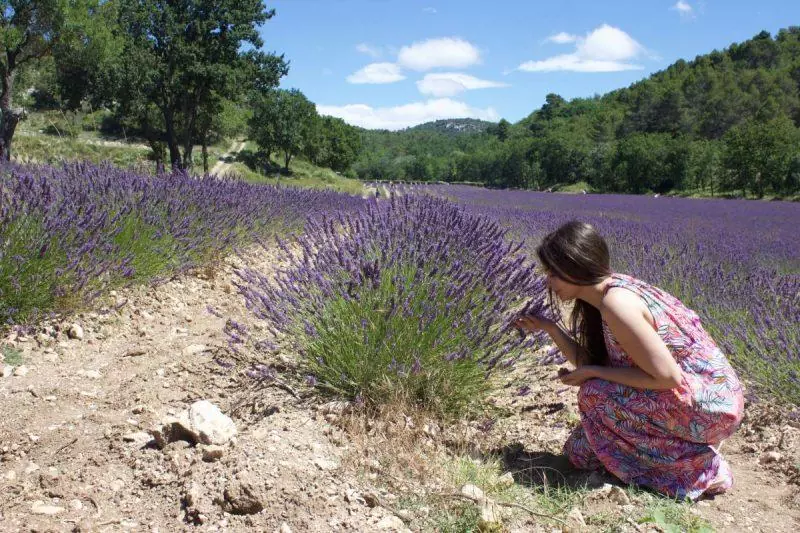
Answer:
(341, 143)
(182, 57)
(28, 31)
(282, 120)
(759, 155)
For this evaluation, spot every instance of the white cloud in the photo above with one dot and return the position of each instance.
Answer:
(562, 38)
(431, 10)
(452, 83)
(404, 116)
(604, 49)
(449, 52)
(377, 73)
(372, 51)
(684, 8)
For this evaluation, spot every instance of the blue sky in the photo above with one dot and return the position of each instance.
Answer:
(396, 63)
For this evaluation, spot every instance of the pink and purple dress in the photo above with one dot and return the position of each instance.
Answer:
(663, 439)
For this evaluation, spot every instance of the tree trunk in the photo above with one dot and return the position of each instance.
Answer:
(205, 157)
(287, 158)
(172, 141)
(9, 118)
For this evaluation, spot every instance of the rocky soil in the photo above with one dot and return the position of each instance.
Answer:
(136, 416)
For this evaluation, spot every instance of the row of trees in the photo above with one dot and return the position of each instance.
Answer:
(177, 74)
(286, 121)
(726, 122)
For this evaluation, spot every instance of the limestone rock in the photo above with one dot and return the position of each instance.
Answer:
(39, 507)
(245, 495)
(202, 423)
(391, 523)
(75, 331)
(471, 491)
(770, 457)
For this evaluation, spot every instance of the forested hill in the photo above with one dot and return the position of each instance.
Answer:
(726, 122)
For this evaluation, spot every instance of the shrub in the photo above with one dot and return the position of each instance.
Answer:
(409, 299)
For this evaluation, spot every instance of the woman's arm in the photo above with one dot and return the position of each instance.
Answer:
(624, 313)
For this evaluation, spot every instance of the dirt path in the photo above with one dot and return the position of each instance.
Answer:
(222, 166)
(75, 422)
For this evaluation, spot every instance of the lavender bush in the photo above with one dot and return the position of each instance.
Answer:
(409, 299)
(736, 262)
(68, 232)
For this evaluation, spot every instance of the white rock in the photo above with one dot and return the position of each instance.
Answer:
(75, 505)
(284, 528)
(91, 374)
(140, 438)
(8, 371)
(39, 507)
(194, 349)
(506, 480)
(10, 475)
(202, 423)
(21, 370)
(75, 331)
(31, 468)
(770, 457)
(391, 523)
(490, 513)
(472, 491)
(324, 464)
(576, 517)
(338, 408)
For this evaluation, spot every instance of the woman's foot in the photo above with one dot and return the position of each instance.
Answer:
(722, 482)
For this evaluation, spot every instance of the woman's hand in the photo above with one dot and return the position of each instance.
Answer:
(577, 376)
(532, 324)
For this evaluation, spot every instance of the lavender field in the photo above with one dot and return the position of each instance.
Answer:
(736, 262)
(416, 290)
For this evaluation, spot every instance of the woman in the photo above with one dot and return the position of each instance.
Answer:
(657, 396)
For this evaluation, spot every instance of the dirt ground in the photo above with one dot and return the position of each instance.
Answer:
(77, 415)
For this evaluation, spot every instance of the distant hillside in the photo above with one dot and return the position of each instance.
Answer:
(454, 126)
(725, 122)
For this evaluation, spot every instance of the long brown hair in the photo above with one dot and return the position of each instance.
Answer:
(577, 254)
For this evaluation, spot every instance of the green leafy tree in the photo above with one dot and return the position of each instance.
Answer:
(759, 156)
(282, 121)
(182, 57)
(28, 31)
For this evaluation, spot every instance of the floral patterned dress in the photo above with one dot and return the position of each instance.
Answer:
(663, 439)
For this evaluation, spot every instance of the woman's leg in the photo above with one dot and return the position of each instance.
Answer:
(580, 452)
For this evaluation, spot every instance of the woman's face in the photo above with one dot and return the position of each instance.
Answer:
(565, 290)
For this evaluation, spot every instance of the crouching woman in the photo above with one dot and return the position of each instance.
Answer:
(657, 396)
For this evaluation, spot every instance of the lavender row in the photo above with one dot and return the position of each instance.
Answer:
(408, 299)
(69, 232)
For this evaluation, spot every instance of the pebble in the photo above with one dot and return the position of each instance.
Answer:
(8, 371)
(324, 464)
(770, 457)
(284, 528)
(472, 491)
(194, 349)
(75, 331)
(213, 453)
(506, 480)
(39, 507)
(616, 494)
(391, 523)
(21, 371)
